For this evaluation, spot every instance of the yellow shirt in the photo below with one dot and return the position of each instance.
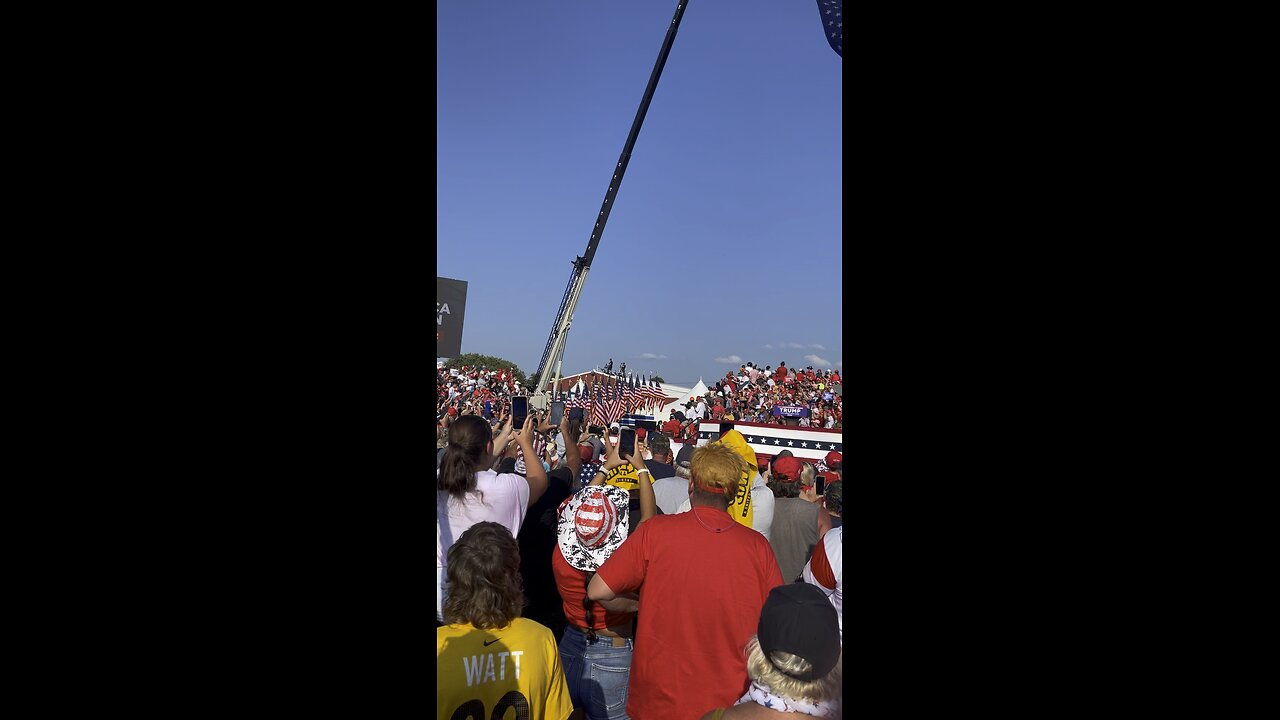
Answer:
(484, 673)
(624, 476)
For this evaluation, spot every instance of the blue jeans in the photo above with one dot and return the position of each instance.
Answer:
(597, 674)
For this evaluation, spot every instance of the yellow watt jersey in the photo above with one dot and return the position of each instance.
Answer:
(507, 673)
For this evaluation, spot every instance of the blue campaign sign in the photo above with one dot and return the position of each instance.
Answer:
(791, 411)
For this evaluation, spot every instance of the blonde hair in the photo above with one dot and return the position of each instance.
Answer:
(772, 672)
(807, 473)
(717, 466)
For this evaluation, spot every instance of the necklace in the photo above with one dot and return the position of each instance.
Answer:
(732, 522)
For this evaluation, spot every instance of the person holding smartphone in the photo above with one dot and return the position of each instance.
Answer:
(469, 492)
(643, 503)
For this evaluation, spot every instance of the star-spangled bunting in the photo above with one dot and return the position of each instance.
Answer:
(832, 24)
(781, 442)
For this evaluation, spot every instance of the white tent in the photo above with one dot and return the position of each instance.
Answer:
(697, 390)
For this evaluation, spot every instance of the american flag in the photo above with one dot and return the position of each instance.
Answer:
(615, 402)
(832, 24)
(597, 404)
(655, 394)
(587, 473)
(630, 396)
(539, 448)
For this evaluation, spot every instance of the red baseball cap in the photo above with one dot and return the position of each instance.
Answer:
(833, 459)
(787, 468)
(585, 452)
(640, 433)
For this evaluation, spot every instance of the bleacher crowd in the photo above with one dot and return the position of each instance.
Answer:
(750, 395)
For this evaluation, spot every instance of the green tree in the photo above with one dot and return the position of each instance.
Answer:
(493, 363)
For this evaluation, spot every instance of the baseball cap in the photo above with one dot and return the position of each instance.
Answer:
(788, 469)
(685, 456)
(586, 452)
(797, 618)
(779, 456)
(833, 460)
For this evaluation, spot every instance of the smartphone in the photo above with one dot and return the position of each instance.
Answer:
(519, 411)
(557, 412)
(626, 442)
(575, 413)
(822, 484)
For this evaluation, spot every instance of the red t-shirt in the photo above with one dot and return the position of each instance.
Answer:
(700, 598)
(573, 590)
(717, 412)
(671, 428)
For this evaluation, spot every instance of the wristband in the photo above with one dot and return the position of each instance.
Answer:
(642, 471)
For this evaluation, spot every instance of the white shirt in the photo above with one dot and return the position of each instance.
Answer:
(506, 500)
(832, 546)
(670, 493)
(762, 502)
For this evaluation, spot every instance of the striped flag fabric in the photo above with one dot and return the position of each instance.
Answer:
(630, 397)
(655, 394)
(615, 402)
(597, 405)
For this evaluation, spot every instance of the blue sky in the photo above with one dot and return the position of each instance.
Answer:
(724, 244)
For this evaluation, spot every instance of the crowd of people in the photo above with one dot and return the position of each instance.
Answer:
(599, 583)
(472, 390)
(750, 394)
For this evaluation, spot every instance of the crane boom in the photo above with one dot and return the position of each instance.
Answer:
(554, 350)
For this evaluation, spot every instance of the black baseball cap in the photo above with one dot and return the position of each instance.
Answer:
(797, 618)
(685, 456)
